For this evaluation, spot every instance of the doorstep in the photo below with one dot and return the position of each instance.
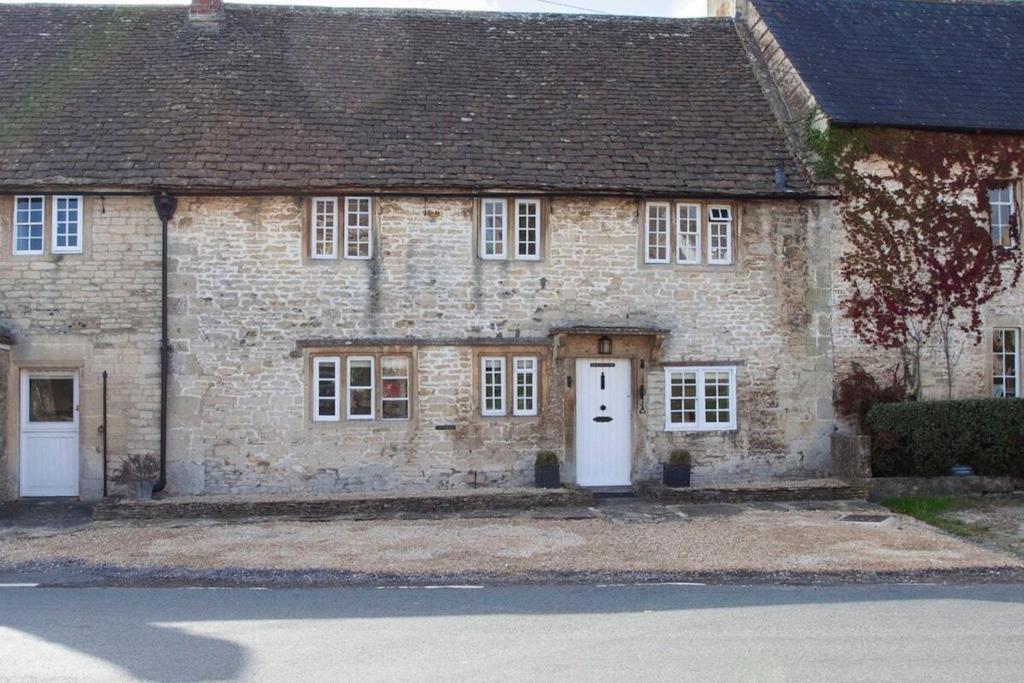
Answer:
(773, 491)
(327, 506)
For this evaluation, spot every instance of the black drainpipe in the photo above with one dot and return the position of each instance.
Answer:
(104, 428)
(165, 205)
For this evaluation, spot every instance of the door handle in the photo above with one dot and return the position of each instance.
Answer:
(602, 418)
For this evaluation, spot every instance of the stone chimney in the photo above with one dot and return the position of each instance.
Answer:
(206, 10)
(716, 8)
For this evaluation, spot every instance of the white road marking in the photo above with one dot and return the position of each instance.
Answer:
(19, 585)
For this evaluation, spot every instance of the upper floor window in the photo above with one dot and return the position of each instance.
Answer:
(358, 236)
(324, 230)
(700, 399)
(28, 225)
(1002, 213)
(1006, 363)
(517, 235)
(67, 224)
(493, 228)
(686, 230)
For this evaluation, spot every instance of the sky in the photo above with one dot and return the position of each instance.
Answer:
(656, 8)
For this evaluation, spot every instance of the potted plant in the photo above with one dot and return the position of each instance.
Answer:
(141, 472)
(546, 472)
(676, 472)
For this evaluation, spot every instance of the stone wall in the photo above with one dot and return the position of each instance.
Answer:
(244, 294)
(89, 312)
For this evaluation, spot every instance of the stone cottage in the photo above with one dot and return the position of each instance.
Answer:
(294, 249)
(908, 65)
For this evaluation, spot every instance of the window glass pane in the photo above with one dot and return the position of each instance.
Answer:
(357, 227)
(493, 385)
(493, 238)
(359, 373)
(325, 213)
(1005, 362)
(720, 234)
(657, 233)
(360, 402)
(527, 228)
(526, 386)
(688, 233)
(716, 397)
(28, 224)
(51, 400)
(67, 212)
(395, 410)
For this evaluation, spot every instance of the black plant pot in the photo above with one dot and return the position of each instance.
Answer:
(675, 476)
(547, 476)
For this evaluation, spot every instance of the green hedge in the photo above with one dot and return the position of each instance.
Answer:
(926, 438)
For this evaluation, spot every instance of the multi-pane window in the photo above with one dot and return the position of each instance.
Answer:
(719, 235)
(527, 229)
(1006, 363)
(700, 399)
(394, 382)
(324, 230)
(358, 236)
(492, 385)
(67, 224)
(326, 384)
(688, 233)
(525, 385)
(656, 233)
(28, 225)
(1001, 214)
(493, 228)
(360, 387)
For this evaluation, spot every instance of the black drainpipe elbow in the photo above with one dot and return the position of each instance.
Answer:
(165, 205)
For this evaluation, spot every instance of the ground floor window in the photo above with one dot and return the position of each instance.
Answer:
(700, 399)
(1006, 363)
(509, 381)
(362, 386)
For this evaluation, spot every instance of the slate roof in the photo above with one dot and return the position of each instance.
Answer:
(907, 63)
(288, 98)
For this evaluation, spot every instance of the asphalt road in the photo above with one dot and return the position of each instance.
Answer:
(649, 633)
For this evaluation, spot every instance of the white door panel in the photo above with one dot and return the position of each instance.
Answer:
(49, 434)
(603, 422)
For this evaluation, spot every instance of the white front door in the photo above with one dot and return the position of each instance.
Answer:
(49, 434)
(603, 429)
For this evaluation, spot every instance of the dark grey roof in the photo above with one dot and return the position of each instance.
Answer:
(312, 98)
(907, 63)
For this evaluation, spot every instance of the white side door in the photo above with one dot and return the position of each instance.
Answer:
(603, 422)
(49, 434)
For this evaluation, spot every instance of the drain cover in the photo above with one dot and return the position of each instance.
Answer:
(869, 519)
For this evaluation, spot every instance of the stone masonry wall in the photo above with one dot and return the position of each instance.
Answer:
(90, 312)
(244, 293)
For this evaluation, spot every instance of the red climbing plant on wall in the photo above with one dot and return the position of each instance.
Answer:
(921, 263)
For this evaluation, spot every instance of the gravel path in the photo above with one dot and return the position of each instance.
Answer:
(751, 541)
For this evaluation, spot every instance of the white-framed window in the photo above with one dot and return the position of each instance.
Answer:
(719, 235)
(67, 224)
(323, 231)
(1002, 213)
(700, 399)
(394, 387)
(524, 385)
(360, 387)
(1006, 363)
(358, 235)
(527, 229)
(493, 228)
(326, 389)
(492, 385)
(656, 232)
(688, 233)
(28, 224)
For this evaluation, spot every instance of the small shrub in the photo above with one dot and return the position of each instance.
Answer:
(859, 391)
(926, 438)
(547, 458)
(135, 468)
(679, 457)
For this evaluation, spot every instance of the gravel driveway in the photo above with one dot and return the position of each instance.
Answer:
(749, 540)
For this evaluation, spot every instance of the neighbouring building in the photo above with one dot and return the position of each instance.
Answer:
(914, 65)
(322, 250)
